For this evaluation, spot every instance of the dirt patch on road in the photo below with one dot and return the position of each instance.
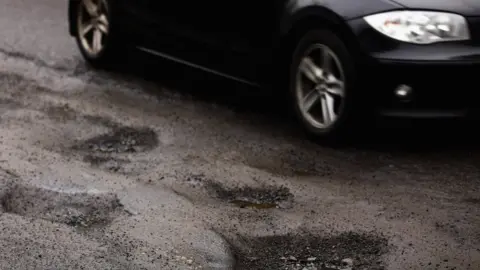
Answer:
(254, 197)
(346, 251)
(71, 207)
(121, 140)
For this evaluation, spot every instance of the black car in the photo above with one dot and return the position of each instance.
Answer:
(336, 59)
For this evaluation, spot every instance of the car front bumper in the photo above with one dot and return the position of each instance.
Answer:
(420, 81)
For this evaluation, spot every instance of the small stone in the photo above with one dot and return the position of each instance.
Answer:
(312, 259)
(183, 258)
(283, 258)
(291, 258)
(189, 261)
(347, 262)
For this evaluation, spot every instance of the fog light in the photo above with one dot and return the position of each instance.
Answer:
(403, 92)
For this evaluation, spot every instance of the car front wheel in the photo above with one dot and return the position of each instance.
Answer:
(94, 34)
(322, 75)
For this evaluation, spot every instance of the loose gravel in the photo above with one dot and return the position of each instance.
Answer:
(346, 251)
(254, 197)
(121, 140)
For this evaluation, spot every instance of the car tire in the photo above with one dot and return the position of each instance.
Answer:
(340, 115)
(91, 23)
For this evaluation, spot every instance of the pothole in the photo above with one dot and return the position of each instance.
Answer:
(347, 251)
(250, 197)
(74, 208)
(122, 140)
(107, 163)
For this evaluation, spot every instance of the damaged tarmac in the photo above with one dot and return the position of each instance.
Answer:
(116, 170)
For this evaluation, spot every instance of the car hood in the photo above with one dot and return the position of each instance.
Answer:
(463, 7)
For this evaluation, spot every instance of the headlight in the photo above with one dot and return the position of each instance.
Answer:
(420, 27)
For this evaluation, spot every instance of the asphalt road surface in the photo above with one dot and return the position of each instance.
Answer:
(155, 166)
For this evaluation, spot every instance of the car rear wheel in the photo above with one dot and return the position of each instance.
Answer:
(95, 38)
(322, 75)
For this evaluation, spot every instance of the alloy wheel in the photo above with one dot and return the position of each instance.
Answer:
(320, 87)
(93, 25)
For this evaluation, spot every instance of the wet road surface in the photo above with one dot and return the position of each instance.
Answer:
(155, 166)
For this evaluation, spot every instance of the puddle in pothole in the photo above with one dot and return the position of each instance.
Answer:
(121, 140)
(77, 209)
(347, 251)
(249, 197)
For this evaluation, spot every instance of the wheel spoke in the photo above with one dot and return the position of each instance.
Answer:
(97, 40)
(325, 116)
(311, 71)
(336, 90)
(331, 107)
(331, 79)
(328, 112)
(86, 29)
(90, 7)
(335, 86)
(310, 100)
(103, 28)
(103, 20)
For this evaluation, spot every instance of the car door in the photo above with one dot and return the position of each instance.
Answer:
(159, 16)
(163, 26)
(226, 36)
(250, 36)
(233, 32)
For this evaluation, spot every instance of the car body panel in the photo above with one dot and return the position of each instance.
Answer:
(463, 7)
(294, 10)
(249, 21)
(247, 36)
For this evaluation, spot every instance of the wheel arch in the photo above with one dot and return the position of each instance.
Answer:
(292, 30)
(307, 18)
(72, 10)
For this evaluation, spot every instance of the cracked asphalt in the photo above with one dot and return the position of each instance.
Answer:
(156, 166)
